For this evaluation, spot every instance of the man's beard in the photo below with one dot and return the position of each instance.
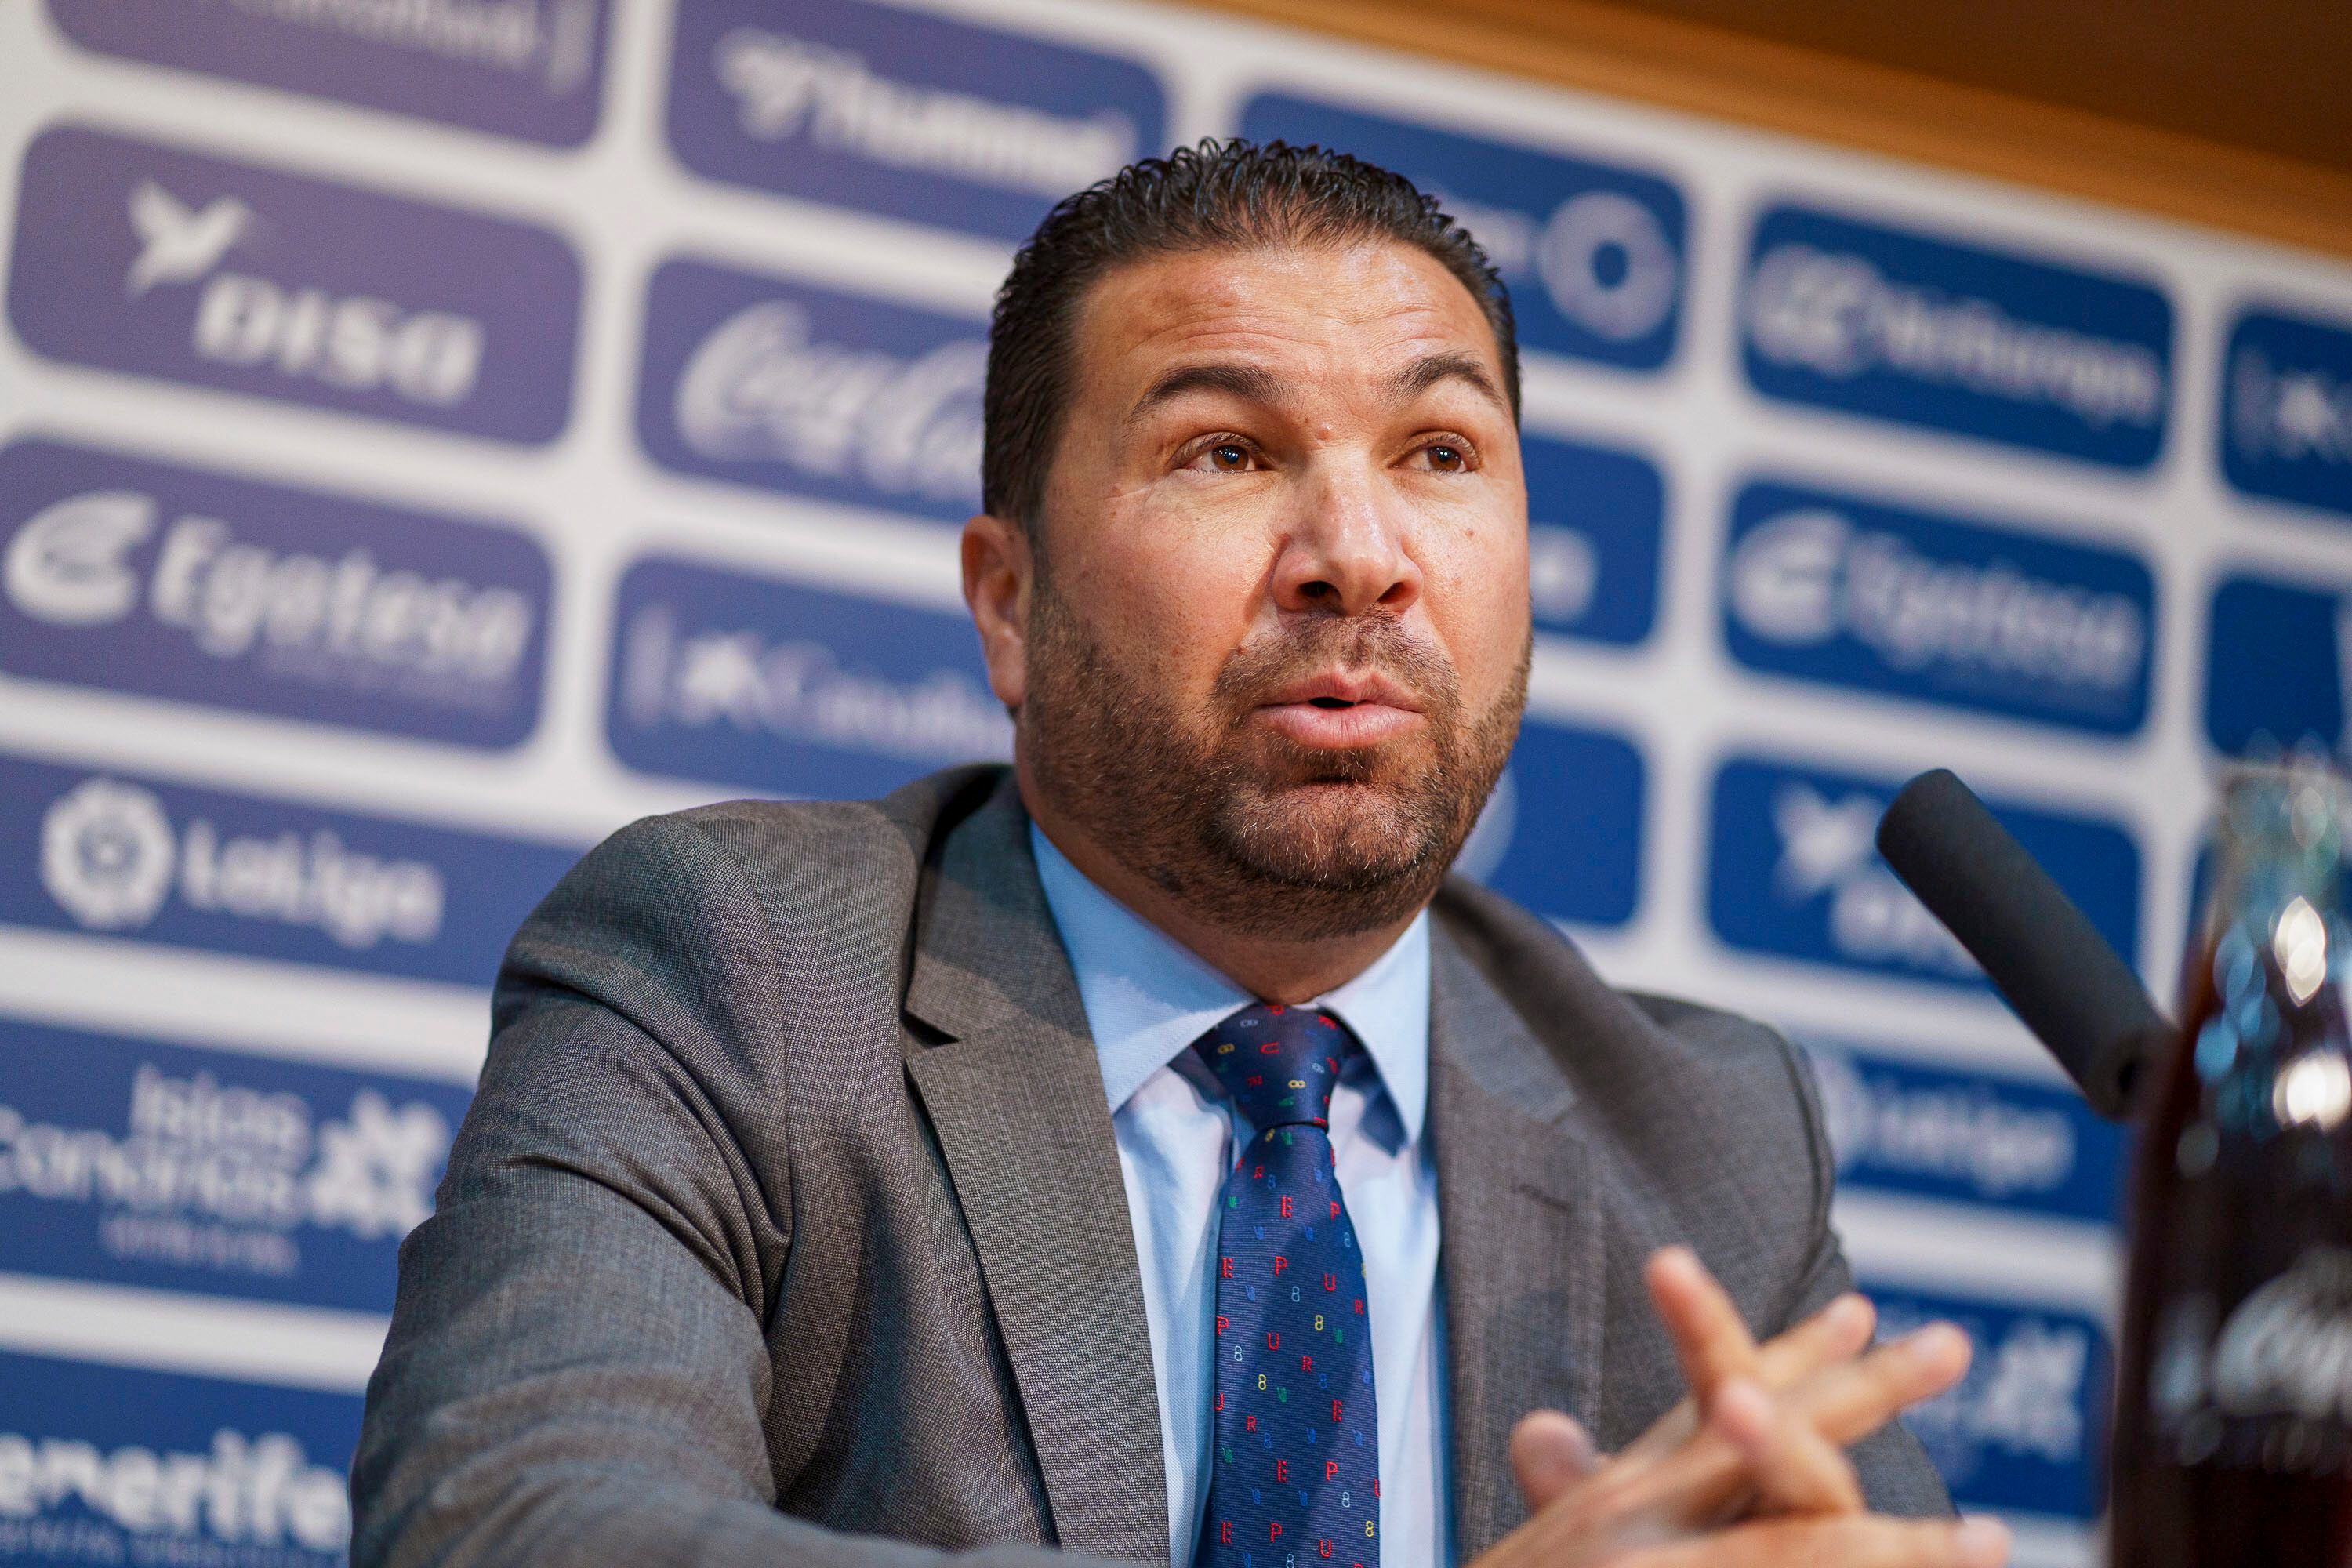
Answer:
(1249, 830)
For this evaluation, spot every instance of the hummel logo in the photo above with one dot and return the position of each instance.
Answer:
(177, 245)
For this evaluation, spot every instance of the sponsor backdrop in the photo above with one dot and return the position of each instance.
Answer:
(432, 435)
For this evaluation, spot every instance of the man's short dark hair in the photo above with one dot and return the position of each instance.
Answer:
(1219, 195)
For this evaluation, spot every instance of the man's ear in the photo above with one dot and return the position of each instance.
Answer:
(998, 569)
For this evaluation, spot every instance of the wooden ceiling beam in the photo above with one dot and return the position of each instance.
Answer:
(1727, 75)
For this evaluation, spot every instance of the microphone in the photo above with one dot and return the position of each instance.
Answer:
(2057, 974)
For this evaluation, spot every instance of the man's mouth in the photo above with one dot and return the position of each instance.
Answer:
(1340, 710)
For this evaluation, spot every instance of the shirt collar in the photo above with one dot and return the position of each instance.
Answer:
(1148, 997)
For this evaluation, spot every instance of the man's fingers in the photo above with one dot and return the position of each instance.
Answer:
(1873, 1540)
(1549, 1454)
(1846, 1404)
(1693, 1484)
(1839, 1331)
(1711, 1339)
(1794, 1468)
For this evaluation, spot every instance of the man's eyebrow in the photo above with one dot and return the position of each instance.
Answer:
(1248, 382)
(1428, 371)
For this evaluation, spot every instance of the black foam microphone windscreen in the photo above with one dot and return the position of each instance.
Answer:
(2062, 978)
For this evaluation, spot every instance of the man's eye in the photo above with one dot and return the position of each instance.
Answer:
(1226, 458)
(1447, 458)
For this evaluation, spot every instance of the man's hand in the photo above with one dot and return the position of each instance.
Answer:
(1759, 1441)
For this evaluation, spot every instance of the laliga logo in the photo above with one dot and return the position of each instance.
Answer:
(355, 342)
(1828, 849)
(106, 854)
(109, 859)
(758, 389)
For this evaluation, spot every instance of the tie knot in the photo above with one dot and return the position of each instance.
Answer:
(1280, 1064)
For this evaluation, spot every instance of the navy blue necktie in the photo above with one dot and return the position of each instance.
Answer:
(1295, 1481)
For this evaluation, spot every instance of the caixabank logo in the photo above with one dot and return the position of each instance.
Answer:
(103, 1466)
(528, 68)
(166, 1167)
(2278, 663)
(1865, 594)
(1906, 1127)
(807, 392)
(2286, 409)
(2019, 1434)
(1563, 833)
(1592, 252)
(1794, 872)
(792, 689)
(82, 850)
(1926, 331)
(146, 577)
(134, 257)
(1596, 526)
(894, 111)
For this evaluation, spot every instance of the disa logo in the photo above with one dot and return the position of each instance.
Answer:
(353, 342)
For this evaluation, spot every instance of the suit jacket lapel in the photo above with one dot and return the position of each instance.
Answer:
(1524, 1274)
(1016, 1095)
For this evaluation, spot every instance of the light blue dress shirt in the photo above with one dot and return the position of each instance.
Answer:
(1147, 1000)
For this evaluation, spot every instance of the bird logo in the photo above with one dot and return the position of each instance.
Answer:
(178, 244)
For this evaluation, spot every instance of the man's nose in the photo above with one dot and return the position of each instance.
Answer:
(1346, 551)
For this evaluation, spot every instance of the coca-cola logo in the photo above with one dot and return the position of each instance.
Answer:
(834, 397)
(759, 389)
(2287, 1349)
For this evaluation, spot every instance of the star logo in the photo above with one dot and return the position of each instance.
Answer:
(376, 1168)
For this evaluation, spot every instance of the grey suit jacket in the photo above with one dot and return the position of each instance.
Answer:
(787, 1227)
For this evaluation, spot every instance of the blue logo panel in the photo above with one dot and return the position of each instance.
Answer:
(791, 689)
(2275, 664)
(1593, 253)
(146, 577)
(806, 392)
(2286, 409)
(2023, 1431)
(209, 1171)
(1596, 522)
(1795, 873)
(100, 1465)
(901, 113)
(529, 69)
(83, 850)
(139, 258)
(1901, 1126)
(1895, 325)
(1562, 832)
(1859, 595)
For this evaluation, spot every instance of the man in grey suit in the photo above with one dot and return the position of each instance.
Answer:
(854, 1183)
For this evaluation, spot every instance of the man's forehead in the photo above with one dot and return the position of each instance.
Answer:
(1377, 303)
